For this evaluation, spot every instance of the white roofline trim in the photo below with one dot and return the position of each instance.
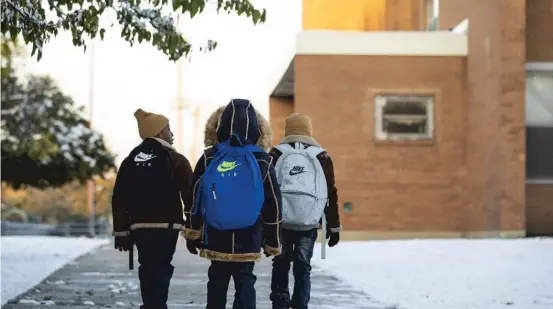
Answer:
(539, 66)
(462, 27)
(539, 181)
(382, 43)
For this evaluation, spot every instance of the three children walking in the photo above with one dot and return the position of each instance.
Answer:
(242, 198)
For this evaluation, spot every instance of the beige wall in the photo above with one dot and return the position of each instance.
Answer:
(364, 15)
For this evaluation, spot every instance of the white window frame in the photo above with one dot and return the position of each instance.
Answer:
(538, 67)
(380, 102)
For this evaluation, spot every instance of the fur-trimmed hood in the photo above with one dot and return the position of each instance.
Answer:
(210, 132)
(299, 138)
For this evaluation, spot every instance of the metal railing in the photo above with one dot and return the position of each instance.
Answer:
(68, 229)
(17, 228)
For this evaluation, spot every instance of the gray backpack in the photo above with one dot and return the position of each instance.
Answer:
(303, 186)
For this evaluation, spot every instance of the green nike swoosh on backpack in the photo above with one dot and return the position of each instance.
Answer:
(226, 166)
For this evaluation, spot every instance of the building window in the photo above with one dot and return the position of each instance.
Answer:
(539, 98)
(432, 11)
(539, 123)
(404, 117)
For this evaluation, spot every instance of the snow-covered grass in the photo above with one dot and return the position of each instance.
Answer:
(448, 274)
(27, 260)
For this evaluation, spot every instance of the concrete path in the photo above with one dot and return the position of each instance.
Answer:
(101, 279)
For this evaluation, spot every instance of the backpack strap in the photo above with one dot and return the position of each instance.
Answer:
(253, 148)
(238, 139)
(314, 151)
(248, 147)
(284, 148)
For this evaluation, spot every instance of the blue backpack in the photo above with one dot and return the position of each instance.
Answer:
(231, 194)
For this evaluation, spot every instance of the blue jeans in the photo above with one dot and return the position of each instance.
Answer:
(155, 253)
(219, 274)
(297, 247)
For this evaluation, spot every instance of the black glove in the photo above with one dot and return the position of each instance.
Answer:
(123, 243)
(334, 239)
(192, 246)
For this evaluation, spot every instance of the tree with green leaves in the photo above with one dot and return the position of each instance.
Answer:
(45, 140)
(148, 20)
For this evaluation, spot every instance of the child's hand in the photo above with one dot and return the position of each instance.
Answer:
(192, 246)
(334, 239)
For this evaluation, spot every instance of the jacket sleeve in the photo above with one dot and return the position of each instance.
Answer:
(271, 212)
(275, 155)
(183, 175)
(121, 220)
(331, 212)
(194, 223)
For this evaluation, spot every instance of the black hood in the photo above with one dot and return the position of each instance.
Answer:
(239, 117)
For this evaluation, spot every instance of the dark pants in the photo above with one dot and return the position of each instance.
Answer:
(297, 247)
(244, 280)
(155, 253)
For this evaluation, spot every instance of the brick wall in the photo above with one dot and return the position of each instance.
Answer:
(539, 30)
(393, 187)
(279, 109)
(539, 210)
(472, 176)
(496, 88)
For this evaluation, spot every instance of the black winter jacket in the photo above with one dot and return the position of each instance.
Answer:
(167, 212)
(245, 245)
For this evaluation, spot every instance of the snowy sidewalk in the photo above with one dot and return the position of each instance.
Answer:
(102, 279)
(27, 260)
(449, 274)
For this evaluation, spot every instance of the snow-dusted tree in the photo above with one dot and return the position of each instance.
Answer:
(147, 20)
(45, 140)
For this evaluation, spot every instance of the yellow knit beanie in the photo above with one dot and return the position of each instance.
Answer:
(149, 124)
(298, 124)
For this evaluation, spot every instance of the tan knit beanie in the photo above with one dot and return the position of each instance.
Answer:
(298, 124)
(149, 124)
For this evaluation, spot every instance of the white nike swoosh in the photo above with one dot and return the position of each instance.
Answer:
(139, 159)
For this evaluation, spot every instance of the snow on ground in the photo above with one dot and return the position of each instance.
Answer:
(27, 260)
(448, 274)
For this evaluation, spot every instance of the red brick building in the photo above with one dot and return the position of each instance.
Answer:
(434, 131)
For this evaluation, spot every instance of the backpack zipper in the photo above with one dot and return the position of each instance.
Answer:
(213, 192)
